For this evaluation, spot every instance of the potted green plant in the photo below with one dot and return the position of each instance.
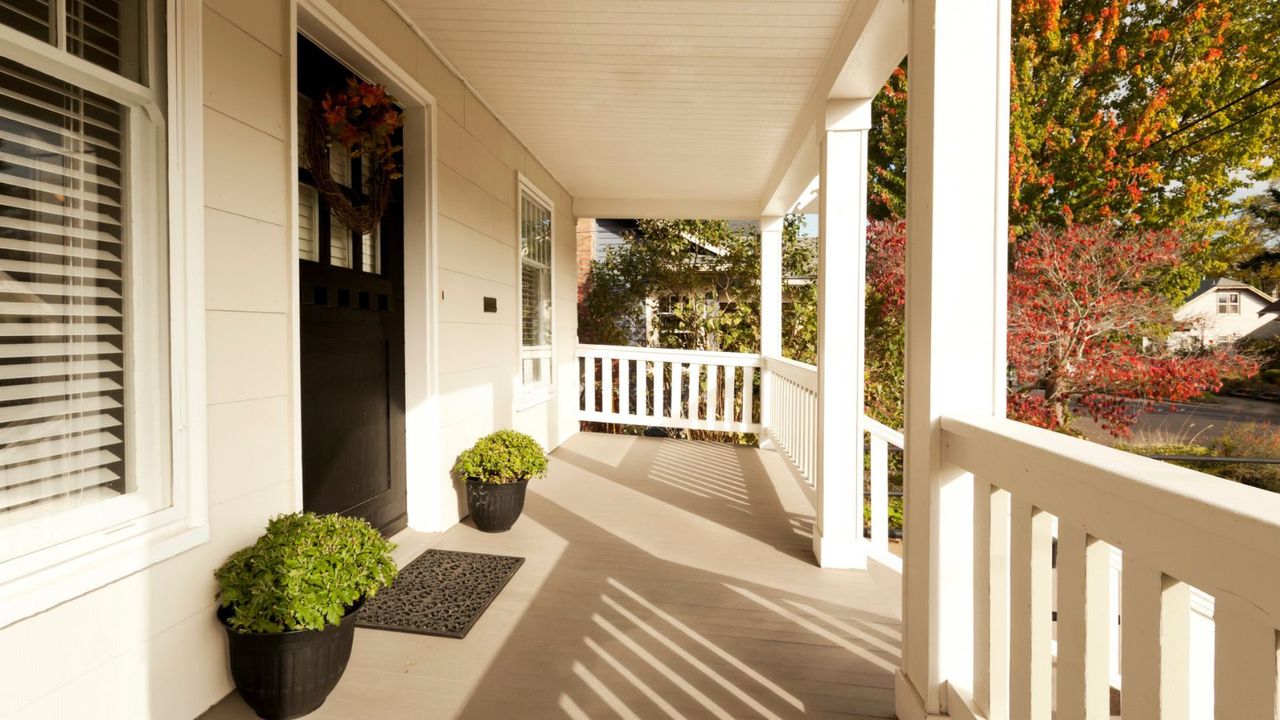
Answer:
(497, 469)
(289, 603)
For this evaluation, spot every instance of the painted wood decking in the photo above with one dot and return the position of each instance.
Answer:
(664, 578)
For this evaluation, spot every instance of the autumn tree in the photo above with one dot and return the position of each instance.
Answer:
(885, 334)
(1150, 114)
(1086, 329)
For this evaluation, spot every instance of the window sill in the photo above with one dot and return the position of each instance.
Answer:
(534, 399)
(44, 589)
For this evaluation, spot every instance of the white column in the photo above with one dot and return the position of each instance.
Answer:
(770, 311)
(957, 187)
(837, 532)
(771, 285)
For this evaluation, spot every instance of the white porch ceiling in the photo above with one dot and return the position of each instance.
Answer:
(652, 106)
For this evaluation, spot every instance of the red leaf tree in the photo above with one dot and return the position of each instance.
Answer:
(1086, 323)
(1086, 327)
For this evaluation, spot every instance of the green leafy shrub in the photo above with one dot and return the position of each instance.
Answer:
(304, 573)
(504, 456)
(1272, 376)
(1251, 441)
(895, 514)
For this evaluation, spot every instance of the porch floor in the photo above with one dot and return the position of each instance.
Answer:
(663, 578)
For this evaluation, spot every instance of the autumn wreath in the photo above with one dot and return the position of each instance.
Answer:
(359, 121)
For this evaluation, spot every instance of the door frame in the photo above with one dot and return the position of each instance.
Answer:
(425, 478)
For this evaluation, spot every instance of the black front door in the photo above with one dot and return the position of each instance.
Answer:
(352, 337)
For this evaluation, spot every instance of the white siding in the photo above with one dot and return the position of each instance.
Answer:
(148, 646)
(1210, 327)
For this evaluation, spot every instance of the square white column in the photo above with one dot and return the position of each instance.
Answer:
(957, 244)
(770, 313)
(842, 197)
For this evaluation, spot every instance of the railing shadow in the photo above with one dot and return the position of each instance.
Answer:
(728, 485)
(625, 633)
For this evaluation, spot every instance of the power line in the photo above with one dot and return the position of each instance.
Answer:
(1206, 116)
(1226, 127)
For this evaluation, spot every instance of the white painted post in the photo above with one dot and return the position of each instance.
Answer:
(837, 532)
(957, 236)
(770, 313)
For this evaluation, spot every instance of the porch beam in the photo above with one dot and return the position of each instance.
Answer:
(842, 193)
(957, 238)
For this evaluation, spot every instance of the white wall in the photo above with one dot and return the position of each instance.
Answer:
(147, 646)
(1209, 327)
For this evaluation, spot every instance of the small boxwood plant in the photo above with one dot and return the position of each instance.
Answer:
(505, 456)
(304, 573)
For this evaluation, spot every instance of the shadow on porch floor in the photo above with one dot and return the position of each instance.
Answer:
(664, 578)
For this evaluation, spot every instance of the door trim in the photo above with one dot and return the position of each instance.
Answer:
(426, 480)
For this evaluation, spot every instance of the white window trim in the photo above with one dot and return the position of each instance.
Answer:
(540, 394)
(1227, 297)
(40, 580)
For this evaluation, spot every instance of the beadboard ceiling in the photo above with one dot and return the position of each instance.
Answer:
(643, 100)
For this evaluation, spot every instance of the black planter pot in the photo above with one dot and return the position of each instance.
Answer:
(495, 507)
(289, 674)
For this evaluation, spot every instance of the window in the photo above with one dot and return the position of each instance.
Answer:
(1228, 303)
(535, 292)
(88, 402)
(315, 219)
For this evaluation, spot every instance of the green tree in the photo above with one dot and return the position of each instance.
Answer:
(1258, 262)
(800, 291)
(1148, 114)
(705, 273)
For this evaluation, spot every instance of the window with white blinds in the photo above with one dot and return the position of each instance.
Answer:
(76, 243)
(535, 292)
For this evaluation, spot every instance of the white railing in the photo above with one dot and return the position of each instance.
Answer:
(655, 387)
(791, 419)
(881, 437)
(1179, 532)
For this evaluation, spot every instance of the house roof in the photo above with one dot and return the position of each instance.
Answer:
(1225, 283)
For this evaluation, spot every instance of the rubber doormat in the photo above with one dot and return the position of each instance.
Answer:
(442, 592)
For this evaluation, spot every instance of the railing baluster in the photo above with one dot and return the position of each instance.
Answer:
(589, 392)
(1245, 660)
(645, 393)
(1030, 626)
(695, 383)
(624, 387)
(713, 381)
(1084, 622)
(606, 385)
(991, 599)
(730, 377)
(677, 376)
(748, 402)
(879, 494)
(1155, 643)
(659, 383)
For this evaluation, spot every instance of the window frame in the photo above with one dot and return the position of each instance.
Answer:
(529, 396)
(1232, 299)
(166, 150)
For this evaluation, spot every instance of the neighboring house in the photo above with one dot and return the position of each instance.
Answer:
(1224, 310)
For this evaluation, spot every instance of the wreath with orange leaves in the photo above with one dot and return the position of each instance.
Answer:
(359, 121)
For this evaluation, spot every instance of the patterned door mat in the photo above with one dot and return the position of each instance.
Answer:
(442, 592)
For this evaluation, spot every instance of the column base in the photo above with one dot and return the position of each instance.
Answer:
(841, 552)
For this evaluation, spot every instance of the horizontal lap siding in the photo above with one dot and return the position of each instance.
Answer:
(477, 163)
(147, 645)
